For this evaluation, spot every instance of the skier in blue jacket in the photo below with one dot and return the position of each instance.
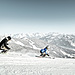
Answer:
(43, 52)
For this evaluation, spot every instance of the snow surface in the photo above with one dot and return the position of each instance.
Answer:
(18, 42)
(32, 44)
(13, 63)
(60, 45)
(21, 60)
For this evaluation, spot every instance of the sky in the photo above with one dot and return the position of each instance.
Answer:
(31, 16)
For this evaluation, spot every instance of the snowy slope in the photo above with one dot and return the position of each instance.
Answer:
(20, 64)
(21, 60)
(60, 45)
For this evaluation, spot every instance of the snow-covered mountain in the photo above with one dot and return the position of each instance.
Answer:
(60, 45)
(28, 35)
(21, 60)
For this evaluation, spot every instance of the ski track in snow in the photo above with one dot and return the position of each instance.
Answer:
(32, 44)
(13, 63)
(66, 53)
(19, 43)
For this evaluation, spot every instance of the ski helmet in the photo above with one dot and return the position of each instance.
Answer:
(9, 38)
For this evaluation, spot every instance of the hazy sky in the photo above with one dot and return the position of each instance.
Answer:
(30, 16)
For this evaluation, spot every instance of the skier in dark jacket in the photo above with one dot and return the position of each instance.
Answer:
(43, 52)
(4, 43)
